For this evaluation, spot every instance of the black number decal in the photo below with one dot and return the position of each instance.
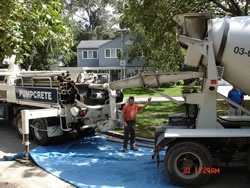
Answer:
(236, 49)
(241, 52)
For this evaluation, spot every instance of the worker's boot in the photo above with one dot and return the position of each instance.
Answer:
(133, 148)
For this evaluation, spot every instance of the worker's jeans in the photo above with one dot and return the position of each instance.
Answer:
(130, 129)
(234, 111)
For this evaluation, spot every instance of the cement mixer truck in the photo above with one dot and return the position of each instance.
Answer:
(56, 105)
(199, 142)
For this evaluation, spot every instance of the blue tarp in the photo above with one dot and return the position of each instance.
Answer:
(14, 157)
(95, 162)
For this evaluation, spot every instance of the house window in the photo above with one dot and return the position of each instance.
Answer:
(107, 53)
(118, 52)
(112, 52)
(85, 54)
(89, 54)
(94, 54)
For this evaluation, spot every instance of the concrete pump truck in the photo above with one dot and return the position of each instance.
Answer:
(57, 105)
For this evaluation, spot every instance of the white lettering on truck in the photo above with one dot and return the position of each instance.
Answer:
(35, 94)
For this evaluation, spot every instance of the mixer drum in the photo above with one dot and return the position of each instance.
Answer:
(231, 40)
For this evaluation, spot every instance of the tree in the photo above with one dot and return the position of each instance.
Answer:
(92, 16)
(231, 7)
(89, 20)
(33, 30)
(152, 22)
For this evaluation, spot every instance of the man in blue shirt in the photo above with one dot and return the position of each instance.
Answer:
(237, 96)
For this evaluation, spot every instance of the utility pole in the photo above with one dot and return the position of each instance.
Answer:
(122, 60)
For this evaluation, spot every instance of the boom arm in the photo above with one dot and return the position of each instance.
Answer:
(151, 80)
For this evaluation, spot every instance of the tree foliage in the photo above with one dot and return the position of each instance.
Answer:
(93, 17)
(89, 20)
(231, 7)
(33, 30)
(152, 22)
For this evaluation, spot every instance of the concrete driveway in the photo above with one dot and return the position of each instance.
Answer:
(16, 175)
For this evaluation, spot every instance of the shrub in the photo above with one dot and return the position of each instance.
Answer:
(179, 82)
(167, 85)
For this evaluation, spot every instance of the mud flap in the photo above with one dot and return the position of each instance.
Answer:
(157, 159)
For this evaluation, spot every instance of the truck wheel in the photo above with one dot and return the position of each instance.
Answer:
(188, 163)
(39, 131)
(18, 125)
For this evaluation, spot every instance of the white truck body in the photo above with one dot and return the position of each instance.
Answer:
(81, 106)
(216, 48)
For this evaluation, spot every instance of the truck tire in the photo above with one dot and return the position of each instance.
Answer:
(187, 163)
(39, 131)
(18, 125)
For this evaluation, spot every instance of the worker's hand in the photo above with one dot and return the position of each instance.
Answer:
(149, 99)
(125, 124)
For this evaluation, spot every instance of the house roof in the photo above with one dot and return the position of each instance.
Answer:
(92, 43)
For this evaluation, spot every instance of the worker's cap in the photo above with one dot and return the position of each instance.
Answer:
(131, 97)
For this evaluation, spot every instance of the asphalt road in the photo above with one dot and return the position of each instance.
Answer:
(14, 174)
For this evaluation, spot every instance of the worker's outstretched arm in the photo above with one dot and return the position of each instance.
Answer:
(146, 104)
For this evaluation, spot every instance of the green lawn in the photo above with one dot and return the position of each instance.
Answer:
(157, 112)
(172, 91)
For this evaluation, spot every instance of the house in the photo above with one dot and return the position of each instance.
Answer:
(104, 56)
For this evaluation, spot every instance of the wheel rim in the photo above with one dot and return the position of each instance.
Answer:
(38, 134)
(188, 160)
(19, 127)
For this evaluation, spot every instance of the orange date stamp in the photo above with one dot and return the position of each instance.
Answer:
(200, 170)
